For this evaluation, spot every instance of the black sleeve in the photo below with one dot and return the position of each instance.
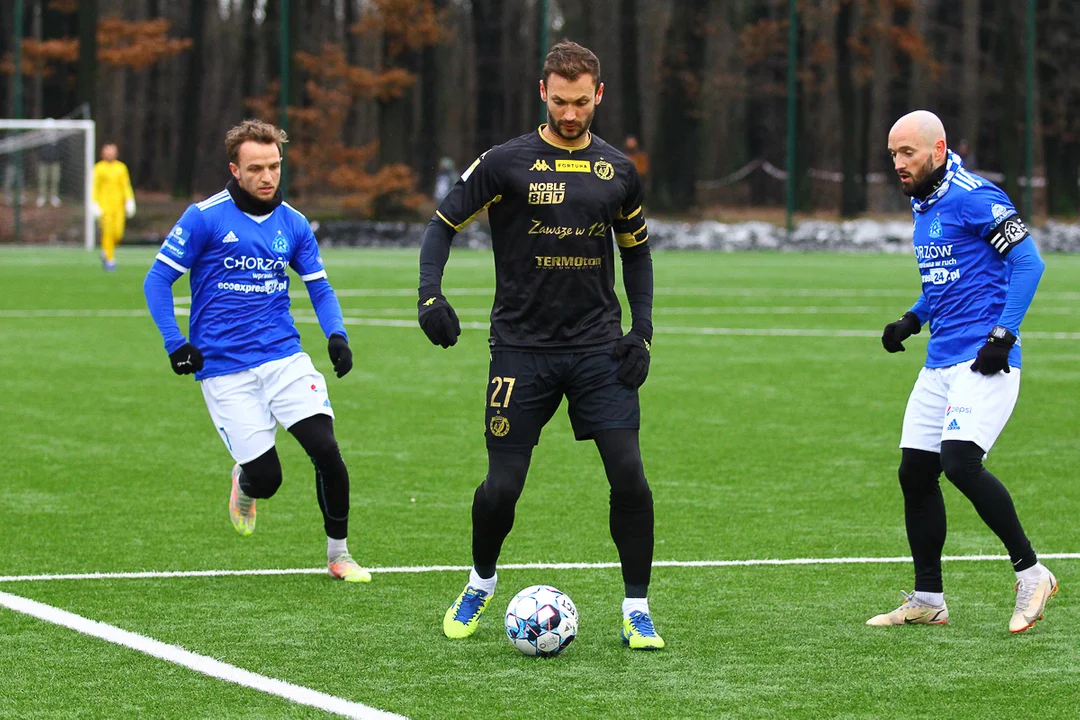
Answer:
(434, 252)
(631, 235)
(477, 189)
(630, 228)
(638, 280)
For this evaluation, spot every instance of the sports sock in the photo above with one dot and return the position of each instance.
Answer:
(335, 547)
(485, 584)
(934, 599)
(1035, 573)
(629, 605)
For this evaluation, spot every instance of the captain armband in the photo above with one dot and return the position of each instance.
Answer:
(1009, 233)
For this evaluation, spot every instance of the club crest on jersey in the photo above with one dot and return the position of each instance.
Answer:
(603, 169)
(500, 426)
(280, 244)
(935, 228)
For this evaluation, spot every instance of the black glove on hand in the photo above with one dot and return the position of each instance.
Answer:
(438, 320)
(340, 354)
(897, 332)
(993, 357)
(186, 359)
(632, 350)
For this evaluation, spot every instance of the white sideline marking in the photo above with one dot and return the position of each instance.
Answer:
(411, 323)
(513, 566)
(192, 661)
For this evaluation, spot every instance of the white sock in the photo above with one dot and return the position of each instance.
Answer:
(929, 598)
(334, 548)
(1035, 573)
(480, 583)
(629, 605)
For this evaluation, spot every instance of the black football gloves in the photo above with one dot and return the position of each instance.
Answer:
(438, 320)
(632, 350)
(186, 359)
(897, 332)
(993, 356)
(340, 354)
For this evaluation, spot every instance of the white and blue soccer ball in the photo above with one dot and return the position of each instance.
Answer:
(541, 620)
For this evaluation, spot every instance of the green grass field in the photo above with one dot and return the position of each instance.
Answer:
(758, 443)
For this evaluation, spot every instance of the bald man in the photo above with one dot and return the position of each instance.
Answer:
(980, 269)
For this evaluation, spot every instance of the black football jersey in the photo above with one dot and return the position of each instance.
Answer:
(553, 213)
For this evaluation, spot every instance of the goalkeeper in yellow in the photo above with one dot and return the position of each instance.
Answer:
(113, 202)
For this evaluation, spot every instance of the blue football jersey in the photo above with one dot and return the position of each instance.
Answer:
(960, 243)
(239, 288)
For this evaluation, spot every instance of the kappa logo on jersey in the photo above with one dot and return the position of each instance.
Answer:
(542, 165)
(999, 211)
(604, 170)
(572, 166)
(230, 238)
(935, 228)
(546, 193)
(178, 234)
(280, 244)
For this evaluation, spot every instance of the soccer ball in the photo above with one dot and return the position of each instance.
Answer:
(541, 620)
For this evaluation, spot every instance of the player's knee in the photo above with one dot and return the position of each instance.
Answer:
(261, 477)
(919, 469)
(505, 479)
(962, 461)
(636, 499)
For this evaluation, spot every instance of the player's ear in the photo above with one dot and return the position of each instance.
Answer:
(234, 170)
(599, 93)
(543, 90)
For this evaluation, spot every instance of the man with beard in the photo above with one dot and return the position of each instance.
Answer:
(555, 198)
(244, 348)
(980, 269)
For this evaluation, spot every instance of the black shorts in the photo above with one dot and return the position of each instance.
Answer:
(525, 389)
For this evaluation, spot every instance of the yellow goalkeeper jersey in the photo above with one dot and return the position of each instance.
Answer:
(112, 185)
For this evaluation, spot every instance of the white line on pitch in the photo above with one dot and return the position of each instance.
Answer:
(410, 323)
(514, 566)
(192, 661)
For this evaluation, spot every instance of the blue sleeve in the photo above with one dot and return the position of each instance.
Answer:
(182, 245)
(327, 307)
(158, 290)
(306, 261)
(921, 308)
(1025, 269)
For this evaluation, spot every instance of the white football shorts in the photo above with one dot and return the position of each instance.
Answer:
(247, 406)
(956, 403)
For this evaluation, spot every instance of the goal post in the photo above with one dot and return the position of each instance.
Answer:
(47, 171)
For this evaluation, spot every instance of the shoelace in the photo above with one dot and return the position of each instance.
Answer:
(1024, 592)
(470, 605)
(342, 559)
(642, 623)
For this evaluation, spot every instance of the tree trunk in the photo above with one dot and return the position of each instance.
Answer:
(247, 54)
(853, 186)
(1059, 108)
(183, 185)
(86, 82)
(631, 93)
(487, 22)
(675, 162)
(970, 88)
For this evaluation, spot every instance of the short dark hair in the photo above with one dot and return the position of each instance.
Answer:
(569, 60)
(255, 131)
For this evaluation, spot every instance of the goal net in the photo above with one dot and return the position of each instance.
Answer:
(46, 167)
